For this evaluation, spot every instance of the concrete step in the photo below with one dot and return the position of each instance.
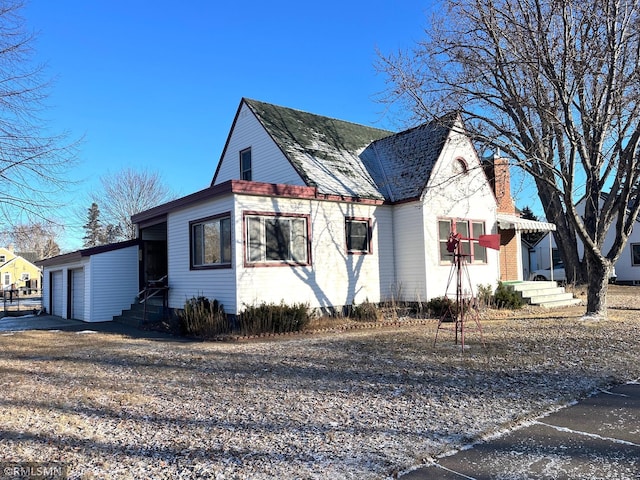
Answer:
(135, 315)
(533, 286)
(541, 297)
(560, 303)
(546, 294)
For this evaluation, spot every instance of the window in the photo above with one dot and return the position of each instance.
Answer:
(245, 164)
(635, 254)
(3, 258)
(25, 276)
(469, 245)
(460, 166)
(211, 242)
(358, 233)
(276, 239)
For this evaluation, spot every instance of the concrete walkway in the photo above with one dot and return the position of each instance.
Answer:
(598, 438)
(52, 322)
(41, 322)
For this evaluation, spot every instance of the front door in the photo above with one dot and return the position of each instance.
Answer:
(154, 260)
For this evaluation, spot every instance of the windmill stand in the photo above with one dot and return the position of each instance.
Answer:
(465, 307)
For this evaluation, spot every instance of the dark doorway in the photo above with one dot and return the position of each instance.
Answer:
(153, 261)
(154, 254)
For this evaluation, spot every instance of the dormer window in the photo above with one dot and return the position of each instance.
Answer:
(245, 164)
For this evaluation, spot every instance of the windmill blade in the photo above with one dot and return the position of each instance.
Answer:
(490, 241)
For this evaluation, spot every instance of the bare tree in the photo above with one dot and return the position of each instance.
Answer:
(39, 238)
(129, 192)
(32, 163)
(555, 84)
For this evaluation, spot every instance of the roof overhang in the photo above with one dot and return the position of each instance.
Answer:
(513, 222)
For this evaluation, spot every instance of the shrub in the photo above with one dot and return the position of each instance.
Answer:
(365, 312)
(507, 298)
(273, 318)
(442, 307)
(485, 296)
(203, 318)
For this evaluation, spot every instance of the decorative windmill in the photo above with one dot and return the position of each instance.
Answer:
(465, 301)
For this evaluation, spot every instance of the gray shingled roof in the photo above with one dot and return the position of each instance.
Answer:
(401, 164)
(323, 150)
(348, 159)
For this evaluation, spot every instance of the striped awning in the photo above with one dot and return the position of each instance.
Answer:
(513, 222)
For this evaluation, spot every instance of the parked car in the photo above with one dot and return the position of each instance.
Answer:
(545, 274)
(559, 274)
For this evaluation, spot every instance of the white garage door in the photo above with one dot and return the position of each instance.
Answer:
(77, 293)
(56, 293)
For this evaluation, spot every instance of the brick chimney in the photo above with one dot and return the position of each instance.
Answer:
(497, 170)
(498, 173)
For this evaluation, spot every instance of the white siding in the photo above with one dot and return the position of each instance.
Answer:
(114, 283)
(185, 283)
(268, 163)
(409, 238)
(384, 251)
(61, 293)
(626, 271)
(465, 196)
(334, 278)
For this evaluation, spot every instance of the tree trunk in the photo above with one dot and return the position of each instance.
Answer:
(599, 268)
(565, 235)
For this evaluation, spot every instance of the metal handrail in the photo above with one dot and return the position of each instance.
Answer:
(151, 291)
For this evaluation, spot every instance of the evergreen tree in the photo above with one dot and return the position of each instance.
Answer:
(531, 237)
(92, 229)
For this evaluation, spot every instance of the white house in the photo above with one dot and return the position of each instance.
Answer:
(627, 268)
(306, 208)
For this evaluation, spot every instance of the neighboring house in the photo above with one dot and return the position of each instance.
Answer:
(94, 284)
(305, 208)
(627, 268)
(18, 273)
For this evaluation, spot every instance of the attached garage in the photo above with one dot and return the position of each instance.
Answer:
(56, 298)
(76, 293)
(94, 284)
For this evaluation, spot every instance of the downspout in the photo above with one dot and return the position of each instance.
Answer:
(550, 258)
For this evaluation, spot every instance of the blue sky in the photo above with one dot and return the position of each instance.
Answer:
(155, 84)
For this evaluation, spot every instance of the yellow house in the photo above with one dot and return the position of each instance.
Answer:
(17, 273)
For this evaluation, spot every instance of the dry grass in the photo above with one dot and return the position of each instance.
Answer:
(355, 404)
